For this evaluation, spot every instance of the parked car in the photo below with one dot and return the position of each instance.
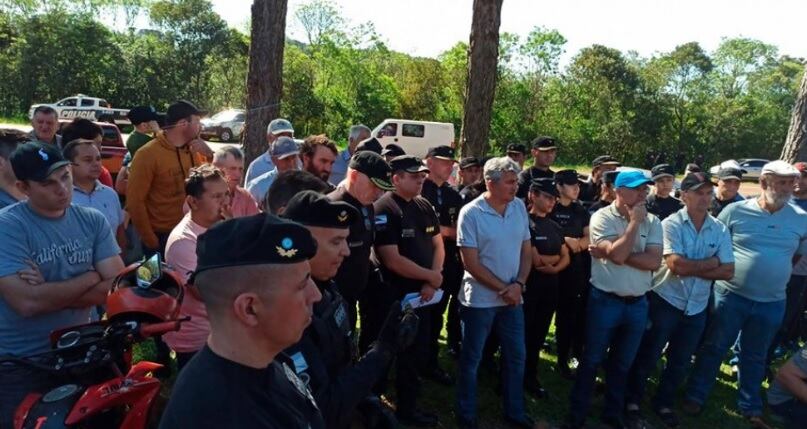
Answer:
(752, 167)
(113, 148)
(225, 126)
(83, 106)
(415, 137)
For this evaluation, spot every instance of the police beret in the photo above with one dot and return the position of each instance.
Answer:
(408, 163)
(253, 240)
(393, 149)
(314, 209)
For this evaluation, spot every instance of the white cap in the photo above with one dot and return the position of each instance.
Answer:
(780, 168)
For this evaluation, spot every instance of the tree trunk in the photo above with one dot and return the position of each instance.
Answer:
(796, 143)
(265, 75)
(482, 70)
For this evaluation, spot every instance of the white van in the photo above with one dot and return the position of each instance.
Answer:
(415, 137)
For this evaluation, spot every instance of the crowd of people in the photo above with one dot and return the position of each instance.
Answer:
(315, 275)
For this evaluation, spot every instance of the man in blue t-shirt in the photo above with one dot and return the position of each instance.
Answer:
(766, 233)
(57, 261)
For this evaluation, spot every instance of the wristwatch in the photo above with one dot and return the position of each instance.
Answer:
(520, 283)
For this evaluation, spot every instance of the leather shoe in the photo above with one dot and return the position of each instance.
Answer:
(417, 418)
(535, 389)
(439, 376)
(523, 423)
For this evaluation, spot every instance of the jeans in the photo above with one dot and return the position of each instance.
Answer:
(759, 322)
(614, 327)
(666, 323)
(477, 323)
(794, 413)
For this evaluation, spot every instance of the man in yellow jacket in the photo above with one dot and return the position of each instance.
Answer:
(156, 189)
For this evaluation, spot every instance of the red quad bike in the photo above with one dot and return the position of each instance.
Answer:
(102, 389)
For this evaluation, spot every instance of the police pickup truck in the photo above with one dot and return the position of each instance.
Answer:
(82, 106)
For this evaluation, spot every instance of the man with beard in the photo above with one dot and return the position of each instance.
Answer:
(318, 154)
(766, 233)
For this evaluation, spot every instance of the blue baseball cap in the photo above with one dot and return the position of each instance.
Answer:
(631, 179)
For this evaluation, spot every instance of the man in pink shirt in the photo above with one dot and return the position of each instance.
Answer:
(207, 196)
(230, 160)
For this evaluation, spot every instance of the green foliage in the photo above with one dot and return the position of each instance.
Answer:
(733, 102)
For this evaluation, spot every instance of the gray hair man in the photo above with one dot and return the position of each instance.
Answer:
(263, 164)
(766, 233)
(357, 133)
(230, 160)
(494, 239)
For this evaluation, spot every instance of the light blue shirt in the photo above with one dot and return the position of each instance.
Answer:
(498, 240)
(259, 186)
(690, 294)
(764, 245)
(62, 248)
(339, 169)
(260, 165)
(6, 199)
(104, 199)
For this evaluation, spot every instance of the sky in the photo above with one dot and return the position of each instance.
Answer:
(428, 27)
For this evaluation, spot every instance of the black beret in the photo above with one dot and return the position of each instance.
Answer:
(566, 177)
(314, 209)
(544, 184)
(370, 144)
(544, 143)
(253, 240)
(662, 170)
(441, 152)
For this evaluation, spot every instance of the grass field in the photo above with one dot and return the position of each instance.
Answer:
(720, 411)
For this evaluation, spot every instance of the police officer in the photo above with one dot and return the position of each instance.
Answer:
(544, 151)
(573, 289)
(409, 248)
(324, 357)
(258, 297)
(518, 153)
(447, 202)
(549, 257)
(590, 189)
(661, 203)
(607, 193)
(367, 177)
(470, 172)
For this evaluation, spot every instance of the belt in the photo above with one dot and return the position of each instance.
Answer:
(625, 299)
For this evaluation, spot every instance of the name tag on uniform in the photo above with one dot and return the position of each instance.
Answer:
(408, 233)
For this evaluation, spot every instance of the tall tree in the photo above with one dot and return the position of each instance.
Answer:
(796, 144)
(482, 74)
(265, 75)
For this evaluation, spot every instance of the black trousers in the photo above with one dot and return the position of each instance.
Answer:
(570, 321)
(17, 381)
(452, 278)
(409, 363)
(540, 303)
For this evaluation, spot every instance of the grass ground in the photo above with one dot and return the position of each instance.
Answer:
(720, 412)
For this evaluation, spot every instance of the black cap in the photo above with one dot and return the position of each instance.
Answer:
(609, 177)
(544, 184)
(662, 170)
(605, 160)
(180, 110)
(566, 177)
(311, 208)
(253, 240)
(138, 115)
(693, 168)
(407, 163)
(36, 161)
(469, 161)
(370, 144)
(441, 152)
(517, 148)
(544, 143)
(374, 166)
(728, 173)
(393, 150)
(693, 181)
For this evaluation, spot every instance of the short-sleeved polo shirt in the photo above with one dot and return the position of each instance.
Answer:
(624, 280)
(498, 240)
(690, 294)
